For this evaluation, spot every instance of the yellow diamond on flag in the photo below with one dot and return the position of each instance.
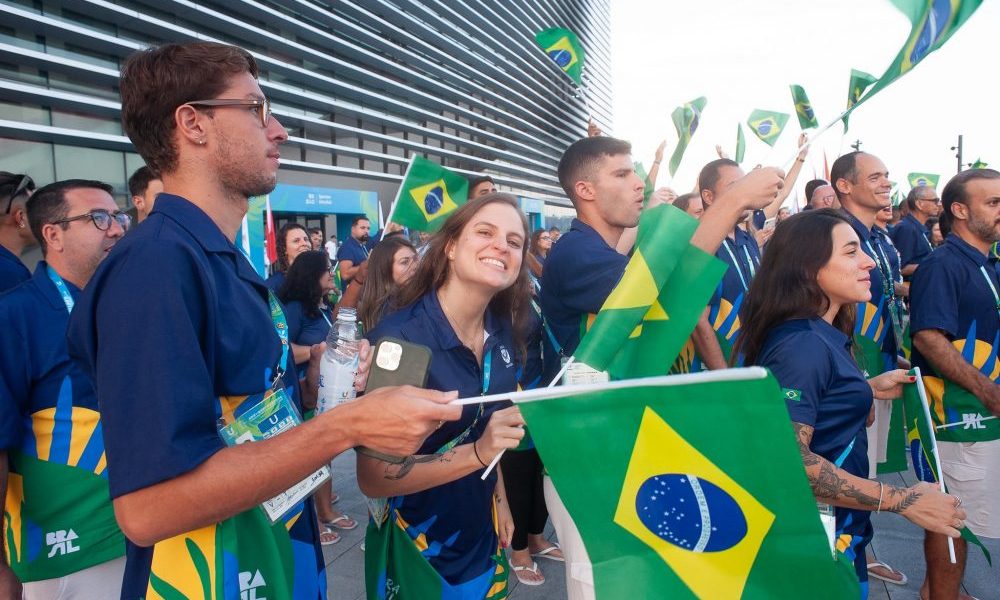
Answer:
(433, 200)
(637, 287)
(557, 49)
(656, 313)
(705, 527)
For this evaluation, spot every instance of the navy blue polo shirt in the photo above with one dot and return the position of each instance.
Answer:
(874, 321)
(951, 293)
(742, 258)
(580, 273)
(12, 270)
(826, 390)
(176, 330)
(305, 330)
(353, 251)
(51, 431)
(456, 516)
(275, 281)
(913, 240)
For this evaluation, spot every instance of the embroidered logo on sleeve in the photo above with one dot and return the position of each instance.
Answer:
(791, 394)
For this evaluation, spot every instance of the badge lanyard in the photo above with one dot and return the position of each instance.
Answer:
(322, 313)
(736, 264)
(750, 263)
(61, 286)
(281, 326)
(487, 367)
(888, 290)
(993, 288)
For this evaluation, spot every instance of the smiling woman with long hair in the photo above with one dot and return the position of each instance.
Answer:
(467, 303)
(799, 315)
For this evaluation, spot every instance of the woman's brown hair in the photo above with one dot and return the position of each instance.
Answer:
(786, 287)
(380, 287)
(512, 303)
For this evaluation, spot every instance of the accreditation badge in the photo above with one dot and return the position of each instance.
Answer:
(260, 417)
(580, 374)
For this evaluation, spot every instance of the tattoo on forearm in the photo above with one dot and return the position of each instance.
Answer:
(829, 482)
(910, 497)
(397, 470)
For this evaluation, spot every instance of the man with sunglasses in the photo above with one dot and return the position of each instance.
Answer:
(62, 524)
(15, 236)
(910, 236)
(209, 342)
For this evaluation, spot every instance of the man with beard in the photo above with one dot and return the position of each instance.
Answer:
(955, 321)
(41, 390)
(212, 349)
(354, 250)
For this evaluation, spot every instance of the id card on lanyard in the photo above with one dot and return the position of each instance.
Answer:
(274, 413)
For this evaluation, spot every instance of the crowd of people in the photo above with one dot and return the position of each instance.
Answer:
(128, 348)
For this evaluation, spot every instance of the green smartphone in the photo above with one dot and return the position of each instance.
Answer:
(398, 362)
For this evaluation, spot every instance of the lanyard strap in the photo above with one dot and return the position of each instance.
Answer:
(61, 286)
(750, 263)
(736, 264)
(887, 287)
(322, 313)
(487, 367)
(993, 288)
(281, 326)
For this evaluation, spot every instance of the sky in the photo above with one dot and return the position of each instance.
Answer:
(743, 55)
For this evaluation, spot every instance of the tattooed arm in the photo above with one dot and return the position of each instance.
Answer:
(924, 504)
(379, 478)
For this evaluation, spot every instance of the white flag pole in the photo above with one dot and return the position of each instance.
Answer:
(395, 203)
(922, 393)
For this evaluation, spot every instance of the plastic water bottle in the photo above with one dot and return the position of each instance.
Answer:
(340, 362)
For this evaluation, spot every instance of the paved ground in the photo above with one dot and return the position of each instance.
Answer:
(897, 542)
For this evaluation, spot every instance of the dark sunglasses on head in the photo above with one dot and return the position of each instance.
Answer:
(23, 184)
(101, 219)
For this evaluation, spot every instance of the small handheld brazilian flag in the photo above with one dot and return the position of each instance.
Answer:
(686, 119)
(860, 81)
(564, 48)
(741, 144)
(920, 179)
(429, 193)
(767, 125)
(803, 108)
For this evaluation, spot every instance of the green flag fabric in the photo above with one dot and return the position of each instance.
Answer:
(933, 23)
(663, 235)
(564, 48)
(428, 194)
(647, 189)
(662, 478)
(686, 119)
(979, 164)
(767, 125)
(741, 144)
(923, 444)
(919, 179)
(860, 81)
(803, 108)
(666, 328)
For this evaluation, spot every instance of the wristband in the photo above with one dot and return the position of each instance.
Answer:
(476, 450)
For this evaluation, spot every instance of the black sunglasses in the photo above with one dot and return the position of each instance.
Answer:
(22, 185)
(101, 219)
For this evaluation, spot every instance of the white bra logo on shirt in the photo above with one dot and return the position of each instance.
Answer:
(249, 582)
(61, 542)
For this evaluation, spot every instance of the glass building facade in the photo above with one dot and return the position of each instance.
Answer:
(360, 85)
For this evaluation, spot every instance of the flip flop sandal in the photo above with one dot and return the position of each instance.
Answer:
(876, 565)
(532, 569)
(547, 551)
(335, 498)
(336, 523)
(327, 536)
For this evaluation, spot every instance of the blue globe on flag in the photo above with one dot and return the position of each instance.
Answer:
(690, 512)
(434, 200)
(934, 26)
(764, 128)
(561, 57)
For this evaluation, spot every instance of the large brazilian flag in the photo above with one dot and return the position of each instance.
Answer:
(649, 315)
(688, 486)
(428, 194)
(932, 22)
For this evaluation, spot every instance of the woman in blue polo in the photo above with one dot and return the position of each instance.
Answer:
(800, 314)
(438, 529)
